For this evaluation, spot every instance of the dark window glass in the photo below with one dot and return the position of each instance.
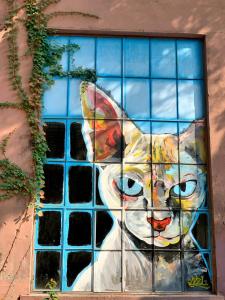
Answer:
(78, 149)
(103, 225)
(55, 136)
(53, 184)
(76, 262)
(79, 229)
(97, 195)
(200, 231)
(49, 228)
(80, 184)
(47, 267)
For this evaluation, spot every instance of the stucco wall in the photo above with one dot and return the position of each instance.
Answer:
(162, 17)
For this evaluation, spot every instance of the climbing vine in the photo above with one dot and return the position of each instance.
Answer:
(45, 56)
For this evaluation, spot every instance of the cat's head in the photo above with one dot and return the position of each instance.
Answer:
(159, 195)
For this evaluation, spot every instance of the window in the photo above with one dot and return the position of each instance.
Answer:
(126, 202)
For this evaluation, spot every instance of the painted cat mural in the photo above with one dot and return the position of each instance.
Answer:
(159, 201)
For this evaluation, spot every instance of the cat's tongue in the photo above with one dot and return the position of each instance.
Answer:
(159, 225)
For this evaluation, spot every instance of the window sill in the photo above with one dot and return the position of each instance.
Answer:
(119, 296)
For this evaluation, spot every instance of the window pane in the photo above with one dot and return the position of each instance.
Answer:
(61, 41)
(163, 58)
(193, 193)
(164, 142)
(197, 270)
(137, 98)
(192, 143)
(80, 184)
(108, 56)
(167, 271)
(49, 225)
(79, 233)
(74, 98)
(47, 268)
(165, 194)
(107, 278)
(164, 103)
(78, 149)
(199, 232)
(190, 99)
(112, 87)
(76, 263)
(84, 57)
(53, 184)
(136, 57)
(55, 99)
(55, 137)
(138, 277)
(98, 199)
(104, 224)
(189, 59)
(108, 141)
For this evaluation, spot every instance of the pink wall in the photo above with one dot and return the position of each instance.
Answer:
(162, 17)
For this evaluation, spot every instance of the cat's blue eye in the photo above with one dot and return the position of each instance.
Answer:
(184, 189)
(129, 186)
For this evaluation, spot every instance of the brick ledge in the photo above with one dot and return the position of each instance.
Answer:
(115, 296)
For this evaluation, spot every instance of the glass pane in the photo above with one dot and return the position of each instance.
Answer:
(112, 87)
(108, 186)
(108, 56)
(61, 41)
(192, 147)
(85, 56)
(74, 98)
(165, 178)
(77, 274)
(137, 98)
(107, 275)
(164, 142)
(79, 233)
(108, 141)
(55, 98)
(136, 57)
(192, 186)
(163, 58)
(53, 189)
(47, 268)
(137, 230)
(167, 271)
(190, 99)
(78, 149)
(189, 59)
(137, 142)
(166, 228)
(49, 226)
(138, 276)
(164, 104)
(106, 237)
(199, 231)
(55, 137)
(78, 191)
(98, 199)
(197, 271)
(134, 184)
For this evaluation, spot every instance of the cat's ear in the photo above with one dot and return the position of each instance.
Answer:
(102, 129)
(192, 141)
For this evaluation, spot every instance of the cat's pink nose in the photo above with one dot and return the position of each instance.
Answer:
(159, 225)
